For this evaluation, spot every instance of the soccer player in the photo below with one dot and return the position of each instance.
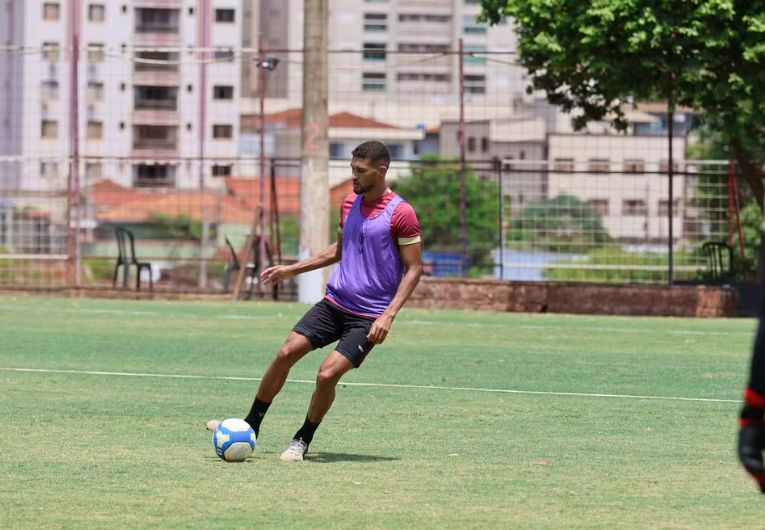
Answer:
(751, 438)
(379, 252)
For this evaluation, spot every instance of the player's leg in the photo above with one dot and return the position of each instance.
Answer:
(316, 329)
(294, 348)
(333, 368)
(351, 352)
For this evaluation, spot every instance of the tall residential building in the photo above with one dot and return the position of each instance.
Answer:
(142, 118)
(392, 60)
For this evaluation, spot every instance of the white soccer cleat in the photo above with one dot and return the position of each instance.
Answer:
(212, 424)
(295, 452)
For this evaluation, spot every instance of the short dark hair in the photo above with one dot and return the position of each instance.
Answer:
(374, 151)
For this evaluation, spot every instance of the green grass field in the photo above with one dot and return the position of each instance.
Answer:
(460, 420)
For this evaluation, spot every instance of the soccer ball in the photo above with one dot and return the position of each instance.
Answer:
(234, 440)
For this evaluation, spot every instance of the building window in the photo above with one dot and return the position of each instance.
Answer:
(96, 12)
(470, 26)
(374, 51)
(95, 53)
(49, 90)
(473, 54)
(51, 11)
(373, 82)
(223, 92)
(148, 175)
(563, 165)
(49, 129)
(664, 166)
(422, 47)
(634, 207)
(422, 17)
(223, 131)
(375, 22)
(471, 144)
(336, 150)
(417, 76)
(95, 92)
(222, 170)
(154, 137)
(396, 151)
(156, 61)
(49, 169)
(599, 205)
(51, 52)
(225, 15)
(664, 207)
(93, 170)
(598, 165)
(484, 144)
(95, 130)
(224, 56)
(475, 84)
(634, 165)
(156, 97)
(155, 20)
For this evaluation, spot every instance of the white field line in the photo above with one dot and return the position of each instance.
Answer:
(377, 385)
(420, 322)
(602, 329)
(142, 313)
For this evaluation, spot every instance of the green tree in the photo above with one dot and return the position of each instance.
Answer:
(433, 188)
(596, 58)
(745, 266)
(564, 224)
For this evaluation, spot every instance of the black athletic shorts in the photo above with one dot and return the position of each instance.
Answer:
(325, 323)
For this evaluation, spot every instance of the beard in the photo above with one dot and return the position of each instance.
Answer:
(359, 189)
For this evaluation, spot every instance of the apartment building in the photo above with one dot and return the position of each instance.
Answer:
(391, 60)
(624, 178)
(143, 118)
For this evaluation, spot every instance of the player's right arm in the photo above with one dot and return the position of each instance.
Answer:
(326, 257)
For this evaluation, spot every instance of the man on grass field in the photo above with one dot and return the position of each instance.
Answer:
(751, 439)
(379, 252)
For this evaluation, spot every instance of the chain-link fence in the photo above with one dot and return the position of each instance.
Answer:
(168, 146)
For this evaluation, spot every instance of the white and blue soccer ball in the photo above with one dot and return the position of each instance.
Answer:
(233, 440)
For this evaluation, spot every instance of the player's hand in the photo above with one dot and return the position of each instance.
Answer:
(380, 328)
(751, 443)
(275, 274)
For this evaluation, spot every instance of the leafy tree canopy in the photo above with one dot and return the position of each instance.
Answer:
(433, 188)
(563, 223)
(596, 58)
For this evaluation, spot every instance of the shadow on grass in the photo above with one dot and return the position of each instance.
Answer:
(329, 458)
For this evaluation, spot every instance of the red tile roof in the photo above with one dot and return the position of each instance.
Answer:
(113, 203)
(293, 118)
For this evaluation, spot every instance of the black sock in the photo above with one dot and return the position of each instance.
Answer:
(257, 411)
(306, 432)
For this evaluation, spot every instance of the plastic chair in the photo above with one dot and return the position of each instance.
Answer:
(719, 260)
(231, 267)
(127, 258)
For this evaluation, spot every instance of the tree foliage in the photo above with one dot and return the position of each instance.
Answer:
(596, 58)
(433, 188)
(564, 224)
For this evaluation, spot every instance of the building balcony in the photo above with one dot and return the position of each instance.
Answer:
(158, 4)
(158, 77)
(156, 116)
(154, 150)
(158, 40)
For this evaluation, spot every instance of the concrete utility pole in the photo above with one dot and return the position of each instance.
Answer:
(73, 185)
(203, 41)
(314, 172)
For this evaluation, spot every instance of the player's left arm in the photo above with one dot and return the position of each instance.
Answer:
(411, 257)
